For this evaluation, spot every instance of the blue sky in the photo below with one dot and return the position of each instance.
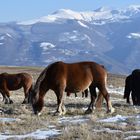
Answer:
(20, 10)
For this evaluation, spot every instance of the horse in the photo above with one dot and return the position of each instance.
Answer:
(84, 93)
(70, 77)
(11, 82)
(132, 86)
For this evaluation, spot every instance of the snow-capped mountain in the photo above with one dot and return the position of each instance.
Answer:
(108, 36)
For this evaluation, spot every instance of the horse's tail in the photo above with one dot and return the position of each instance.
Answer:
(99, 101)
(29, 93)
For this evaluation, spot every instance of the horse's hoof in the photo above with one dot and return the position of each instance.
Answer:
(11, 102)
(112, 110)
(58, 113)
(24, 102)
(88, 111)
(37, 113)
(63, 113)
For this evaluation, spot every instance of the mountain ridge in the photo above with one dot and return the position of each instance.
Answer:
(111, 38)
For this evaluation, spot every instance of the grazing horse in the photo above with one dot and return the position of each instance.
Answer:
(70, 77)
(10, 82)
(132, 86)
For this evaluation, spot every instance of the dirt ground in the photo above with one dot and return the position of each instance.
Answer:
(75, 125)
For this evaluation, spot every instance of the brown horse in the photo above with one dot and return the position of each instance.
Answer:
(72, 77)
(10, 82)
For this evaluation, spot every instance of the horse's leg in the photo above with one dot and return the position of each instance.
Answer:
(75, 94)
(106, 95)
(68, 93)
(134, 98)
(83, 94)
(126, 96)
(127, 100)
(7, 95)
(26, 93)
(63, 109)
(138, 100)
(86, 93)
(60, 103)
(127, 91)
(4, 96)
(93, 96)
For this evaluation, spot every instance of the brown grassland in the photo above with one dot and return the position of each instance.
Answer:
(90, 129)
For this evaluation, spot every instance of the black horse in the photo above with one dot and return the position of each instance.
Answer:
(132, 85)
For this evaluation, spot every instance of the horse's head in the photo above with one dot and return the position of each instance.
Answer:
(128, 88)
(35, 100)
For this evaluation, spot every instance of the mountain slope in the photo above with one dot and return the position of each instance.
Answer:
(108, 36)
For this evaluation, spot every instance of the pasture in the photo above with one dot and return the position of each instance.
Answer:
(17, 120)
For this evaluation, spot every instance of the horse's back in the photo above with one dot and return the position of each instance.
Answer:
(15, 81)
(75, 68)
(25, 76)
(136, 80)
(81, 69)
(18, 77)
(85, 70)
(77, 76)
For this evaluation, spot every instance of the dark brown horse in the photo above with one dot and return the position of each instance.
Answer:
(10, 82)
(74, 77)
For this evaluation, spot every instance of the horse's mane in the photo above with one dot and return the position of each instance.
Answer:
(40, 79)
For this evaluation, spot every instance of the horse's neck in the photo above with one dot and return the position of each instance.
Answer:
(40, 80)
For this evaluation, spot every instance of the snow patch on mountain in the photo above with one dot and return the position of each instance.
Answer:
(82, 24)
(2, 37)
(72, 36)
(134, 36)
(46, 45)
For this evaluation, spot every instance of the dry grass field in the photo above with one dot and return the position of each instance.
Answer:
(17, 121)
